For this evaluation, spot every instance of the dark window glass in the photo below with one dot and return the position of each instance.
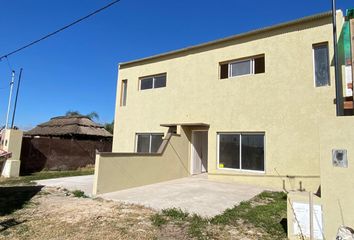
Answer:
(259, 65)
(252, 152)
(146, 83)
(124, 92)
(229, 150)
(224, 71)
(143, 144)
(160, 81)
(156, 140)
(321, 65)
(240, 68)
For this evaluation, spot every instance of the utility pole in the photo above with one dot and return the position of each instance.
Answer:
(335, 58)
(9, 104)
(18, 88)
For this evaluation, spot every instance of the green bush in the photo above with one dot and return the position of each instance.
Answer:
(79, 194)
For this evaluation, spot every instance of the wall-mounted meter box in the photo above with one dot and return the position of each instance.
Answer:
(339, 158)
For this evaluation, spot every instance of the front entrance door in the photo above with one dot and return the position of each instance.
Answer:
(199, 152)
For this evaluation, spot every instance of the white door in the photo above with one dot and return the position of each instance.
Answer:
(199, 152)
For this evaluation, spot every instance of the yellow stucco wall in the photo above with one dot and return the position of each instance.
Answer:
(337, 184)
(13, 143)
(282, 102)
(115, 172)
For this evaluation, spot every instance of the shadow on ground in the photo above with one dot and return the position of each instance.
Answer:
(13, 198)
(6, 224)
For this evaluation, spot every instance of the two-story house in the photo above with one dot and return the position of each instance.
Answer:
(245, 108)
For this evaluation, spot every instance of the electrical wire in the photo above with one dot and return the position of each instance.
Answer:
(9, 64)
(60, 29)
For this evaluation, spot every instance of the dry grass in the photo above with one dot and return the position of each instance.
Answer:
(56, 213)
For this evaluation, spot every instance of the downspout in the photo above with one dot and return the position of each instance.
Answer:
(335, 57)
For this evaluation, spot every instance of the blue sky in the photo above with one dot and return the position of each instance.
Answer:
(77, 69)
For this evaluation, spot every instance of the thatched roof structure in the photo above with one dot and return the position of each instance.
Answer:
(70, 126)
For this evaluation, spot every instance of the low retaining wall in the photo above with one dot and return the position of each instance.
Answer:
(59, 154)
(118, 171)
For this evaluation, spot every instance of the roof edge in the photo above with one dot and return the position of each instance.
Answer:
(233, 37)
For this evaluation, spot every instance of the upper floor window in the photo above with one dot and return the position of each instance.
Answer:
(321, 65)
(156, 81)
(123, 96)
(253, 65)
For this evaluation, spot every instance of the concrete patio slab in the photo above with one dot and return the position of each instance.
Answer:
(83, 183)
(194, 194)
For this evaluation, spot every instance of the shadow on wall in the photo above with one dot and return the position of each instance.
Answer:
(32, 159)
(13, 198)
(59, 154)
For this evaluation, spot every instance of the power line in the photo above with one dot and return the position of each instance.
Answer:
(59, 30)
(9, 64)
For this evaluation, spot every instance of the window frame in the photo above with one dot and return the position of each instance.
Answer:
(123, 93)
(314, 46)
(153, 81)
(240, 154)
(251, 60)
(150, 140)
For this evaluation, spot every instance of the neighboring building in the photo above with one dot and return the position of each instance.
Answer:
(70, 127)
(63, 143)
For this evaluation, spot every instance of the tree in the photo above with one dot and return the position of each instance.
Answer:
(91, 115)
(72, 113)
(109, 127)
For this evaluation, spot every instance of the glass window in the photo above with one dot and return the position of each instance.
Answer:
(224, 70)
(148, 143)
(157, 81)
(229, 150)
(124, 93)
(321, 63)
(143, 143)
(146, 83)
(253, 65)
(253, 152)
(240, 68)
(241, 151)
(259, 65)
(156, 140)
(160, 81)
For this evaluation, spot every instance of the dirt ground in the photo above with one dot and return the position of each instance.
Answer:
(56, 214)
